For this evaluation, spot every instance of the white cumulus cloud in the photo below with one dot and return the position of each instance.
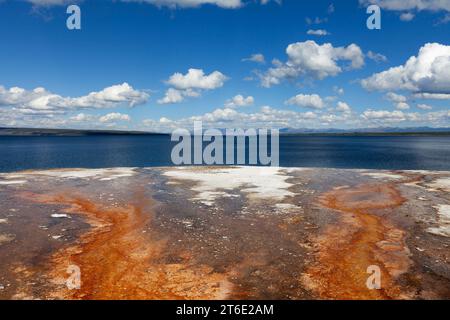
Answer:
(312, 60)
(428, 72)
(41, 100)
(424, 106)
(402, 106)
(307, 100)
(407, 16)
(172, 96)
(191, 84)
(196, 79)
(239, 101)
(115, 116)
(394, 97)
(256, 57)
(82, 117)
(384, 115)
(343, 107)
(377, 57)
(435, 96)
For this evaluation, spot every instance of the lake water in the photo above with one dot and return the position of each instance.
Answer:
(387, 152)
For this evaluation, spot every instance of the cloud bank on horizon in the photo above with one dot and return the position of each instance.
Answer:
(310, 75)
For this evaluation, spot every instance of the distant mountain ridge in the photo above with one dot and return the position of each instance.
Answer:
(366, 130)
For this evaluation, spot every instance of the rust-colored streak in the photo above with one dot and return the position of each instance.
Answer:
(118, 261)
(359, 240)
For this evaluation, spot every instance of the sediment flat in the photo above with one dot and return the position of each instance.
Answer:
(224, 233)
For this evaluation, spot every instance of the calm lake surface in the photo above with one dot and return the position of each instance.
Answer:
(387, 152)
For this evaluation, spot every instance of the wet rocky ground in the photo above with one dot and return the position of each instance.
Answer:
(224, 233)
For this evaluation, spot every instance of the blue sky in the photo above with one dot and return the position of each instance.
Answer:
(128, 66)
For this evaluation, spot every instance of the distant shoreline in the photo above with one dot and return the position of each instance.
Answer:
(366, 134)
(38, 132)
